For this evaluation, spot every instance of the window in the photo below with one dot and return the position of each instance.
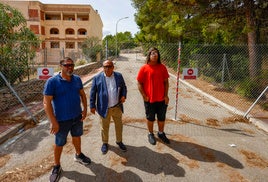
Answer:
(82, 17)
(43, 30)
(80, 45)
(52, 16)
(34, 29)
(82, 31)
(54, 31)
(69, 45)
(69, 17)
(54, 45)
(69, 31)
(33, 14)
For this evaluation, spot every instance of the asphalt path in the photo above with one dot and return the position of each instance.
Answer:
(207, 143)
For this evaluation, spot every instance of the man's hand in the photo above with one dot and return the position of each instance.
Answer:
(84, 114)
(93, 110)
(54, 128)
(123, 99)
(166, 100)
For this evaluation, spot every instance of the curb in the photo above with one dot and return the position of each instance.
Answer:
(9, 133)
(259, 123)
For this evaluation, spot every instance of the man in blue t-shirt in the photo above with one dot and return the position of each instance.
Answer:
(63, 94)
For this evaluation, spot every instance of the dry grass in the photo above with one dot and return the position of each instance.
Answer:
(254, 159)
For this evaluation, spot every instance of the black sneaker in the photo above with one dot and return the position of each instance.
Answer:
(163, 137)
(122, 146)
(104, 148)
(81, 158)
(151, 139)
(55, 175)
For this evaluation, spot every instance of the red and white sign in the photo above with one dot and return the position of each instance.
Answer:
(45, 73)
(189, 73)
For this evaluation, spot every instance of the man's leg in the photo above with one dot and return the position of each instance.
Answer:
(161, 116)
(117, 117)
(77, 144)
(161, 125)
(150, 126)
(105, 126)
(56, 170)
(57, 154)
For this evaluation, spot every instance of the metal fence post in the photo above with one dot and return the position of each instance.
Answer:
(14, 92)
(106, 49)
(245, 115)
(178, 78)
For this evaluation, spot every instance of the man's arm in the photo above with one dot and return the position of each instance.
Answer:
(140, 87)
(92, 95)
(166, 85)
(123, 94)
(50, 114)
(84, 103)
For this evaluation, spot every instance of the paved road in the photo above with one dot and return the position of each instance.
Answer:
(207, 144)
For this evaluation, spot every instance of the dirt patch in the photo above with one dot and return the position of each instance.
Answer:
(187, 119)
(234, 176)
(235, 119)
(28, 172)
(26, 124)
(212, 122)
(87, 125)
(4, 159)
(192, 164)
(117, 160)
(254, 160)
(133, 120)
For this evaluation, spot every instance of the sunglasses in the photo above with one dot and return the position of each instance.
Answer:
(107, 67)
(68, 65)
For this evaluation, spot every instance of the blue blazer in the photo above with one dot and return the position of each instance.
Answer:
(99, 92)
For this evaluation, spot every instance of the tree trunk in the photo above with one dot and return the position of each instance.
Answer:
(254, 58)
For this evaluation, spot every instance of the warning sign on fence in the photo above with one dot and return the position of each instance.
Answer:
(45, 73)
(189, 73)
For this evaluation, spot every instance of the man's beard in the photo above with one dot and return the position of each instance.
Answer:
(69, 73)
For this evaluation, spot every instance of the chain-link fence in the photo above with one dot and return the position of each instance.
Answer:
(223, 72)
(20, 84)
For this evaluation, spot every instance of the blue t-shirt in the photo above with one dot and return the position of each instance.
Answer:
(66, 97)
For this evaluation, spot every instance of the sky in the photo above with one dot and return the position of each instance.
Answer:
(111, 11)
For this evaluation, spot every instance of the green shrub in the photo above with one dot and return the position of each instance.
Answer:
(265, 106)
(80, 62)
(249, 89)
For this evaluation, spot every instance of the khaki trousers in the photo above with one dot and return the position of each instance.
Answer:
(116, 114)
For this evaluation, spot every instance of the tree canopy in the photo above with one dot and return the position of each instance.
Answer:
(207, 21)
(214, 22)
(123, 40)
(17, 43)
(91, 47)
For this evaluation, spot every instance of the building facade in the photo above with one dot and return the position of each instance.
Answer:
(61, 27)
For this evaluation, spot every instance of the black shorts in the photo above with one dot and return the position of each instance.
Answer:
(75, 126)
(157, 108)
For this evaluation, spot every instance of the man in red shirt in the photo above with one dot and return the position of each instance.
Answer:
(153, 85)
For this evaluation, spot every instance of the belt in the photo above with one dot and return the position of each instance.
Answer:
(116, 105)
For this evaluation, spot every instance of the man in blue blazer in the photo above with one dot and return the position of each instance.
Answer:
(107, 95)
